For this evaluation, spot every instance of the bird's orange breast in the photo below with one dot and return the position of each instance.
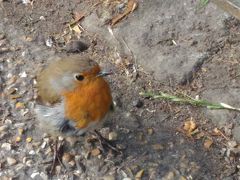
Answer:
(88, 103)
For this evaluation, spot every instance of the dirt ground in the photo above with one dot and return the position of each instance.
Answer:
(150, 132)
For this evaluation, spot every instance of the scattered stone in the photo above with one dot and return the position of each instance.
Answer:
(72, 163)
(95, 152)
(33, 175)
(43, 145)
(58, 169)
(150, 131)
(6, 146)
(207, 143)
(121, 146)
(43, 176)
(169, 176)
(3, 128)
(2, 36)
(29, 139)
(137, 103)
(32, 152)
(105, 132)
(49, 42)
(19, 105)
(23, 74)
(157, 147)
(18, 139)
(109, 178)
(29, 163)
(20, 131)
(76, 47)
(42, 18)
(112, 136)
(11, 161)
(139, 174)
(67, 157)
(19, 167)
(232, 144)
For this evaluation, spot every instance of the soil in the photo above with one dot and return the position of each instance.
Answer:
(155, 142)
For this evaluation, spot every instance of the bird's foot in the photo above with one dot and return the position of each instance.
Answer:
(106, 144)
(57, 156)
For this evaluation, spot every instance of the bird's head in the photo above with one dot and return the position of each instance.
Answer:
(69, 73)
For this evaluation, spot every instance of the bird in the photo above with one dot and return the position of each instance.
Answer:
(73, 97)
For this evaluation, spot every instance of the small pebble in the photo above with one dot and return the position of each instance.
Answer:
(2, 36)
(19, 167)
(157, 147)
(95, 152)
(3, 128)
(121, 146)
(109, 178)
(150, 131)
(32, 152)
(19, 105)
(67, 157)
(11, 161)
(6, 146)
(137, 103)
(29, 163)
(20, 131)
(33, 175)
(232, 144)
(29, 139)
(72, 163)
(76, 47)
(42, 18)
(169, 176)
(112, 136)
(58, 169)
(18, 139)
(43, 145)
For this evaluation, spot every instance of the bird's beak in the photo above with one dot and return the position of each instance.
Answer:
(104, 73)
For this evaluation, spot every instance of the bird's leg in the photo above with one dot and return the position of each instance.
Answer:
(57, 153)
(105, 143)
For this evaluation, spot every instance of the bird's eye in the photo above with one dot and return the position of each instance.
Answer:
(79, 77)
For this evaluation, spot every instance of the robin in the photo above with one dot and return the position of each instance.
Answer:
(73, 97)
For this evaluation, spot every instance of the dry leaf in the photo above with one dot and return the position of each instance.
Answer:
(139, 174)
(132, 5)
(76, 29)
(189, 126)
(207, 143)
(200, 135)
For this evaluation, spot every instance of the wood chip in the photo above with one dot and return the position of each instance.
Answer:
(95, 152)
